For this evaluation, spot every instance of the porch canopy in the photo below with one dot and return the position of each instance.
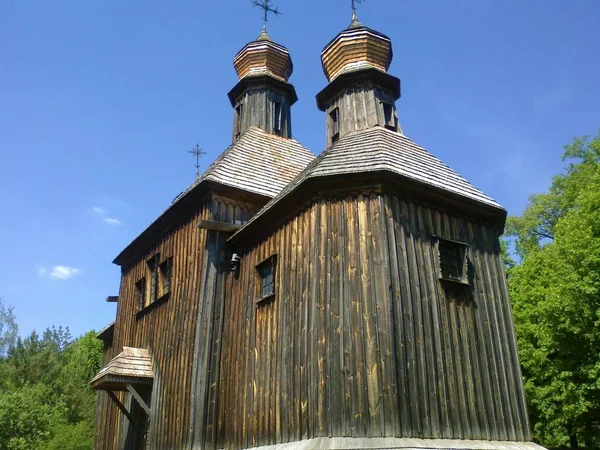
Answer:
(133, 366)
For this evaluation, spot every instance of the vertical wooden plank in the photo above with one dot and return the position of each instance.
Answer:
(331, 340)
(391, 214)
(369, 320)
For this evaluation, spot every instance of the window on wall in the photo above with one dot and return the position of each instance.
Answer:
(453, 260)
(239, 116)
(165, 272)
(266, 272)
(334, 124)
(153, 277)
(389, 116)
(277, 118)
(157, 283)
(140, 292)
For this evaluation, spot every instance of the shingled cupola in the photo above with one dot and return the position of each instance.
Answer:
(263, 97)
(361, 94)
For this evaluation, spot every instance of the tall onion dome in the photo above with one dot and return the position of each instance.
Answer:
(263, 97)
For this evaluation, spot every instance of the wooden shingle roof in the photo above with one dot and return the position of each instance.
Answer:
(131, 366)
(378, 149)
(258, 162)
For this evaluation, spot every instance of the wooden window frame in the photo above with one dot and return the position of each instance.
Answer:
(153, 292)
(334, 118)
(448, 249)
(263, 296)
(141, 291)
(278, 118)
(156, 286)
(239, 115)
(389, 116)
(165, 275)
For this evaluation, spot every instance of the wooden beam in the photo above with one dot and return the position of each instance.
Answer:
(219, 226)
(120, 405)
(139, 399)
(112, 298)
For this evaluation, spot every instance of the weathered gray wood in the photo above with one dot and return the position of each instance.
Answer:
(138, 398)
(120, 405)
(258, 105)
(360, 339)
(218, 226)
(360, 107)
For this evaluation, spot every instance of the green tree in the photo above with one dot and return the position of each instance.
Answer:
(8, 329)
(28, 417)
(45, 398)
(83, 359)
(555, 293)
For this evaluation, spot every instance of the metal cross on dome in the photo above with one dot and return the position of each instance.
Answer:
(267, 8)
(354, 3)
(198, 153)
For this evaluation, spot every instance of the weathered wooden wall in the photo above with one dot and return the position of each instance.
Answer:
(169, 330)
(362, 339)
(360, 108)
(258, 104)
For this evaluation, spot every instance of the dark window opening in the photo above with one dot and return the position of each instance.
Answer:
(334, 119)
(266, 271)
(140, 290)
(389, 116)
(239, 116)
(277, 118)
(153, 269)
(165, 270)
(452, 257)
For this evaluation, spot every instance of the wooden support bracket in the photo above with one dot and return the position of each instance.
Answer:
(120, 405)
(219, 226)
(139, 399)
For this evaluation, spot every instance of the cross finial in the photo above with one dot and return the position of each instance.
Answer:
(267, 8)
(354, 3)
(198, 153)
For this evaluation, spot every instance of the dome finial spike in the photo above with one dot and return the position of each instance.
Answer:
(355, 22)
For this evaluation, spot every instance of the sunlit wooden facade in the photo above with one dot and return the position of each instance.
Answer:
(353, 300)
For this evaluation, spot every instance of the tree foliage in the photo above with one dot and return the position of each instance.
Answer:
(8, 329)
(45, 398)
(555, 292)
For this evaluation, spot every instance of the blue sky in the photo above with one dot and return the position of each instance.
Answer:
(100, 100)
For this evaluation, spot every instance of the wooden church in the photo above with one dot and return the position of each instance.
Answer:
(352, 300)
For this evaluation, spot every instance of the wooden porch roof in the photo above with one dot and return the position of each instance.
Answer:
(131, 366)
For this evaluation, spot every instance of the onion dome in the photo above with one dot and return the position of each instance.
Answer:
(264, 57)
(356, 48)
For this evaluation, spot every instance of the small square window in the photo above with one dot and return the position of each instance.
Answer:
(266, 272)
(165, 271)
(277, 126)
(140, 292)
(334, 120)
(452, 259)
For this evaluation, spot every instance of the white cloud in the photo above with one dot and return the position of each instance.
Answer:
(112, 221)
(64, 272)
(101, 212)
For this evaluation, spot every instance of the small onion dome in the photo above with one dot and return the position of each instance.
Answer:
(264, 57)
(356, 48)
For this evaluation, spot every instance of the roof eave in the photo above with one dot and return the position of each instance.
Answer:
(306, 191)
(348, 79)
